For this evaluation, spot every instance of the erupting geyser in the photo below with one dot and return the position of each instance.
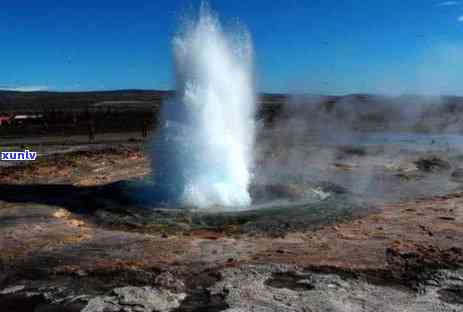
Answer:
(204, 152)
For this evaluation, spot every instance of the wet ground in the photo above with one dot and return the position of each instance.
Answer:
(360, 227)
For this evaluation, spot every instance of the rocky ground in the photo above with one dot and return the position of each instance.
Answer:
(70, 241)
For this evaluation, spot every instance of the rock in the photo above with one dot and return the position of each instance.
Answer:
(168, 280)
(136, 299)
(12, 290)
(453, 294)
(330, 187)
(285, 289)
(344, 167)
(61, 214)
(409, 176)
(102, 304)
(457, 174)
(432, 164)
(352, 150)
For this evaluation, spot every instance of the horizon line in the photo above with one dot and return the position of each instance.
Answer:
(334, 94)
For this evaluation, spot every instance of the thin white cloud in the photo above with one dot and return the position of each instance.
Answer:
(460, 19)
(25, 88)
(449, 3)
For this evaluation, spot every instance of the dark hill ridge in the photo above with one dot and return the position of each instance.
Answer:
(17, 101)
(14, 101)
(25, 99)
(69, 113)
(131, 110)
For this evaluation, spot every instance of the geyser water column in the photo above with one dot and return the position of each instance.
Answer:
(204, 152)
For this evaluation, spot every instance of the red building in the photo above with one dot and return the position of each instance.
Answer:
(5, 119)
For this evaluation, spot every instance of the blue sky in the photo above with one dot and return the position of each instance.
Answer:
(318, 46)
